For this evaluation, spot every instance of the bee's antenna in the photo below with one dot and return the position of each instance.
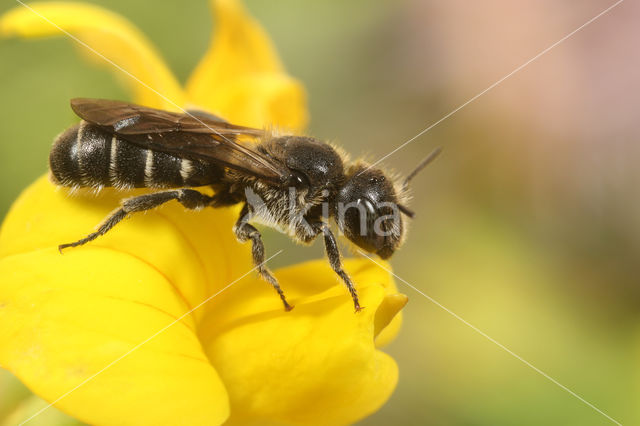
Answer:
(410, 214)
(419, 167)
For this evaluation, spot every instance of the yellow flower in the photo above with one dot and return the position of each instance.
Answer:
(239, 358)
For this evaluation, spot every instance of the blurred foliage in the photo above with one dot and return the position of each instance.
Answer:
(527, 225)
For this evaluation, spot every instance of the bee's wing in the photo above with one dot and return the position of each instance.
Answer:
(185, 135)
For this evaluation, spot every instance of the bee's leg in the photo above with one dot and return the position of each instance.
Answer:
(331, 247)
(187, 197)
(245, 231)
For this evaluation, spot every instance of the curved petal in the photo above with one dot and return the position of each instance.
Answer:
(387, 322)
(242, 77)
(67, 319)
(314, 365)
(107, 33)
(202, 242)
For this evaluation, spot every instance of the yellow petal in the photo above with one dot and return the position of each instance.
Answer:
(387, 321)
(200, 243)
(65, 318)
(109, 34)
(314, 365)
(241, 76)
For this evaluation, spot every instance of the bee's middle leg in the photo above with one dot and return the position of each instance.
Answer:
(189, 198)
(245, 231)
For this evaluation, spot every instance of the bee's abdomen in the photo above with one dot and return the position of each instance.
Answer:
(86, 155)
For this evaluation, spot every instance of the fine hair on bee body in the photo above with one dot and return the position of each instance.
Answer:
(295, 184)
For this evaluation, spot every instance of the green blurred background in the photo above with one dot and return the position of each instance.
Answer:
(528, 225)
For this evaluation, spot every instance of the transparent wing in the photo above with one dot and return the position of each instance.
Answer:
(185, 135)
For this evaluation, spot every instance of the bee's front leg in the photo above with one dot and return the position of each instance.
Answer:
(245, 231)
(333, 253)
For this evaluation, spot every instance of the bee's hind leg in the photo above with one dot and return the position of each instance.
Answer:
(189, 198)
(245, 231)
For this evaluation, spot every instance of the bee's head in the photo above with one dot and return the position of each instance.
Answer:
(369, 205)
(367, 211)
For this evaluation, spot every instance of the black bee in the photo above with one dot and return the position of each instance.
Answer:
(292, 183)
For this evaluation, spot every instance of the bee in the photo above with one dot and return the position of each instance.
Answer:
(295, 184)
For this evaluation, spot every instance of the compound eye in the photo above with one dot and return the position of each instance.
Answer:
(299, 180)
